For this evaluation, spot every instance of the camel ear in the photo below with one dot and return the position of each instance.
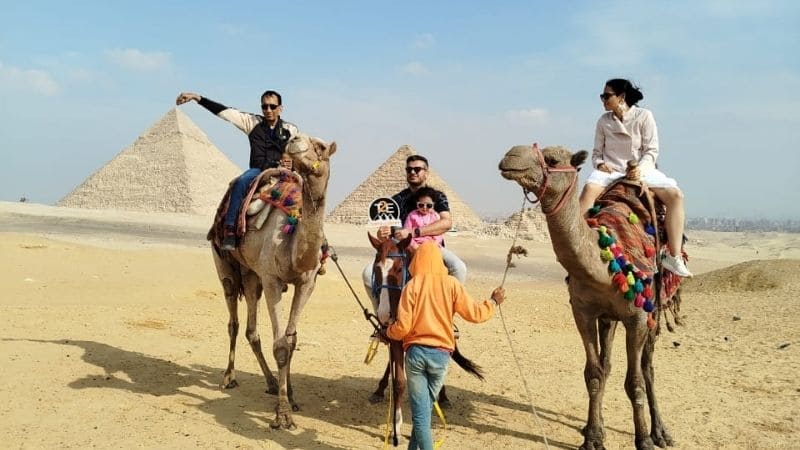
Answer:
(579, 158)
(331, 149)
(376, 244)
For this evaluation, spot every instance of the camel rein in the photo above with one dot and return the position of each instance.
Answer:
(518, 250)
(371, 318)
(546, 171)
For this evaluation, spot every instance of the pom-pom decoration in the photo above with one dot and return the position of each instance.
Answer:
(633, 218)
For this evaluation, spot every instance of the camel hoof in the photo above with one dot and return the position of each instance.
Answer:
(645, 443)
(662, 439)
(283, 421)
(231, 384)
(376, 398)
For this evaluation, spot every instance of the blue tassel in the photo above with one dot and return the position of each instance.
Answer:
(638, 287)
(648, 305)
(650, 230)
(613, 267)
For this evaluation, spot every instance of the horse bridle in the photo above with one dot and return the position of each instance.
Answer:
(547, 170)
(377, 288)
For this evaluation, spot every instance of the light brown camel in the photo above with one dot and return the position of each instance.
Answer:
(597, 306)
(269, 259)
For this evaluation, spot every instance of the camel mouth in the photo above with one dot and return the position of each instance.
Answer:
(511, 173)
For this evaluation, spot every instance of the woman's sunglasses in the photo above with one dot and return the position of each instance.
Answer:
(416, 170)
(421, 205)
(606, 95)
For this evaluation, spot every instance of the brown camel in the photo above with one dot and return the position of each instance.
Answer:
(597, 306)
(268, 259)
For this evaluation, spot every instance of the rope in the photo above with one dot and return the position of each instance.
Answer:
(367, 315)
(519, 250)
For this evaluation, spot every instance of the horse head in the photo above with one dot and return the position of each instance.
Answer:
(389, 275)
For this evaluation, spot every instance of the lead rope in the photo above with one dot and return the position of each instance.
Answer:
(518, 250)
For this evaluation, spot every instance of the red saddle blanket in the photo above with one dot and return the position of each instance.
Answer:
(284, 194)
(630, 229)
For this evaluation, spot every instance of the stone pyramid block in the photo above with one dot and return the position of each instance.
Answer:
(389, 179)
(172, 167)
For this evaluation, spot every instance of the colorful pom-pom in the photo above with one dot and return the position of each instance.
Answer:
(648, 291)
(633, 218)
(606, 255)
(649, 229)
(275, 194)
(649, 251)
(638, 287)
(630, 279)
(616, 250)
(621, 261)
(291, 220)
(629, 294)
(629, 267)
(639, 301)
(594, 210)
(288, 201)
(620, 281)
(605, 240)
(651, 323)
(613, 267)
(648, 306)
(603, 229)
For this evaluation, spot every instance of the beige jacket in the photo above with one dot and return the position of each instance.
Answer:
(634, 137)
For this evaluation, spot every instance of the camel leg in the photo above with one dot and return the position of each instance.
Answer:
(284, 345)
(377, 396)
(232, 301)
(635, 334)
(252, 293)
(595, 379)
(606, 330)
(658, 431)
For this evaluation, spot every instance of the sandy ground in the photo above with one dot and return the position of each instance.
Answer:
(113, 334)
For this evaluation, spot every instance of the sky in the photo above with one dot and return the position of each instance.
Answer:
(461, 82)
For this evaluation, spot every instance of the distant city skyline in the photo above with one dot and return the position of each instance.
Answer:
(460, 83)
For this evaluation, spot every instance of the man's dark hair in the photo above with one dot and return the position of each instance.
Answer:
(425, 191)
(417, 158)
(272, 94)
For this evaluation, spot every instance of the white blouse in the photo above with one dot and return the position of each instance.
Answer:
(618, 141)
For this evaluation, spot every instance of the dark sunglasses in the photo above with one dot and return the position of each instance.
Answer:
(269, 106)
(606, 95)
(416, 170)
(424, 205)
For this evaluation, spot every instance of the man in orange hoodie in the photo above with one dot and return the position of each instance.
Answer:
(425, 325)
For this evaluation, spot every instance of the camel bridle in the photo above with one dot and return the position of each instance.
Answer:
(546, 171)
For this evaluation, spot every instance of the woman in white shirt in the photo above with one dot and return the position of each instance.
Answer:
(628, 132)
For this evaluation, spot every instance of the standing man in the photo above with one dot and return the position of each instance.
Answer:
(425, 325)
(417, 177)
(268, 135)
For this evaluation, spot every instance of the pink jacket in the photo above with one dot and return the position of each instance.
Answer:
(417, 220)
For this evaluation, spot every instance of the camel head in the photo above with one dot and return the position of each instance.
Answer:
(532, 168)
(311, 159)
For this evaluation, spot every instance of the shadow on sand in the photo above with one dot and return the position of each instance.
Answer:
(247, 410)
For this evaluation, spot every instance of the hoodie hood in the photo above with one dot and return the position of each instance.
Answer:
(428, 261)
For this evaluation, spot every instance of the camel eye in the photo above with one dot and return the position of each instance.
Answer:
(550, 161)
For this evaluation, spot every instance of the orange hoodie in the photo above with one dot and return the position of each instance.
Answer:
(429, 300)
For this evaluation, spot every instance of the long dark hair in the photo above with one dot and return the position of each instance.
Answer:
(621, 86)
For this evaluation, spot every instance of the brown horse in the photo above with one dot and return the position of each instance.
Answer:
(390, 274)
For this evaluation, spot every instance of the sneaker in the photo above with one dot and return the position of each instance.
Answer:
(675, 265)
(229, 240)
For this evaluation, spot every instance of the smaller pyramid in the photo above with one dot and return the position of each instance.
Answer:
(533, 226)
(172, 167)
(389, 179)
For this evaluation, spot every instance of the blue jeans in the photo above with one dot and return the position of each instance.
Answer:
(426, 368)
(237, 195)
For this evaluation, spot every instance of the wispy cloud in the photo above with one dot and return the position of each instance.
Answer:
(424, 40)
(134, 59)
(31, 80)
(415, 68)
(528, 116)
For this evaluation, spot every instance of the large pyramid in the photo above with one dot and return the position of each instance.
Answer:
(387, 180)
(172, 167)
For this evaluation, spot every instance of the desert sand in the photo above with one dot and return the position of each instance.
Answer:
(113, 334)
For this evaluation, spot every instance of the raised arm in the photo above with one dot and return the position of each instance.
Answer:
(241, 120)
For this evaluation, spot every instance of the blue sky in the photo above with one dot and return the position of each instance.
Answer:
(461, 82)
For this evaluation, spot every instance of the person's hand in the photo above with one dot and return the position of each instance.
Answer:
(401, 234)
(383, 336)
(604, 168)
(384, 233)
(499, 295)
(184, 97)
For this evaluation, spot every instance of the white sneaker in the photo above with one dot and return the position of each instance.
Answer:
(675, 265)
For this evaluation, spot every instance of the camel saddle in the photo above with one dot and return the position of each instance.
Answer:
(629, 212)
(277, 188)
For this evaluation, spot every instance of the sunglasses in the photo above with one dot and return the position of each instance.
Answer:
(269, 106)
(416, 170)
(421, 205)
(606, 95)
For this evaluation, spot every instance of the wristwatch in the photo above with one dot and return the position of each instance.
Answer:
(417, 233)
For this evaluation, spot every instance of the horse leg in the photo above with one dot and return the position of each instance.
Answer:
(658, 431)
(399, 387)
(636, 332)
(252, 293)
(232, 301)
(595, 379)
(377, 396)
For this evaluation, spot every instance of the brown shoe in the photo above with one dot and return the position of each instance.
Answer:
(229, 240)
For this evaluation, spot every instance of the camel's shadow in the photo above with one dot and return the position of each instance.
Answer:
(249, 414)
